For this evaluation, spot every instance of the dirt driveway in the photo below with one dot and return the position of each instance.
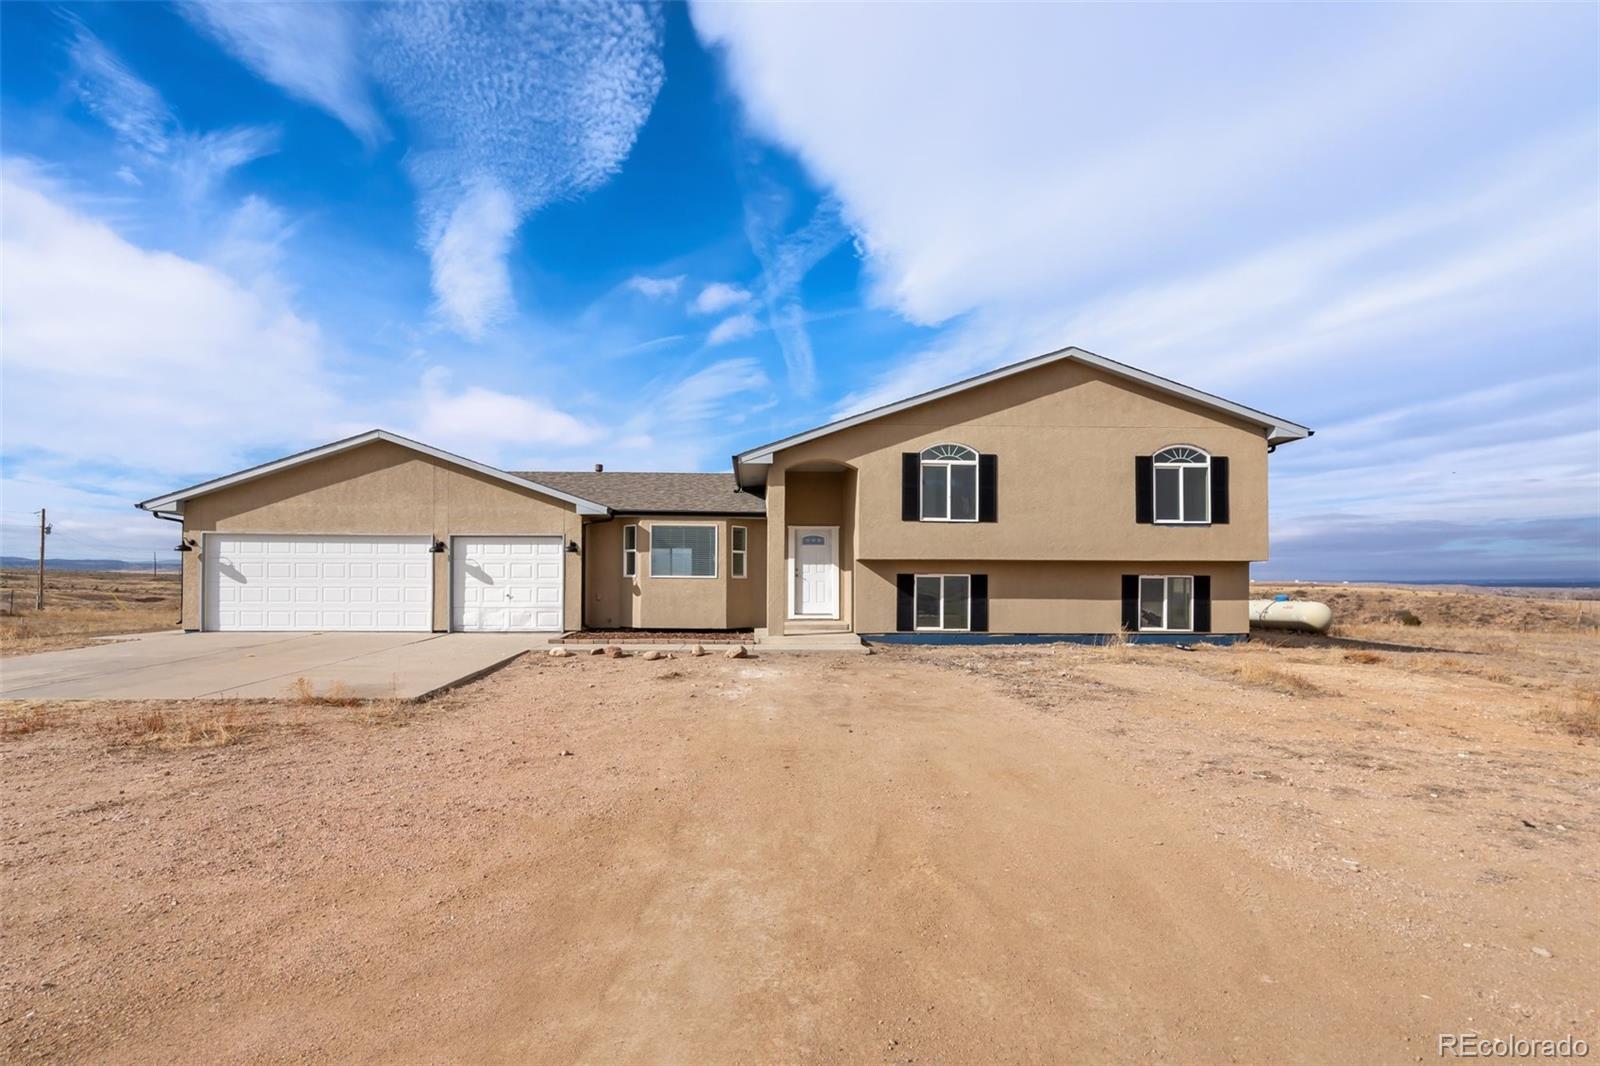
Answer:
(910, 857)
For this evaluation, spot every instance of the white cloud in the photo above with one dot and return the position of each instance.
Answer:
(311, 51)
(470, 274)
(484, 423)
(732, 329)
(655, 288)
(124, 357)
(536, 101)
(718, 297)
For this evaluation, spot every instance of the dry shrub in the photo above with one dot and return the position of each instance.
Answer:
(337, 695)
(1115, 645)
(1579, 715)
(1366, 657)
(27, 720)
(1265, 675)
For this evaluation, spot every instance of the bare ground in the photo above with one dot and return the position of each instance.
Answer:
(1291, 851)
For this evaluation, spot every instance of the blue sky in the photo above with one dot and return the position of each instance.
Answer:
(552, 236)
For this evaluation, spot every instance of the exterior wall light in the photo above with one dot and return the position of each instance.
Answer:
(438, 547)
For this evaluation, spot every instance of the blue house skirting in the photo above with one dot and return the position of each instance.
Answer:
(1052, 638)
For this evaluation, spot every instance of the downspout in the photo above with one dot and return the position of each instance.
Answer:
(178, 518)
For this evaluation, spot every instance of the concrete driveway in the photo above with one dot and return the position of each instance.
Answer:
(182, 666)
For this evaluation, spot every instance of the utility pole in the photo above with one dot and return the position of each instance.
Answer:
(38, 604)
(152, 564)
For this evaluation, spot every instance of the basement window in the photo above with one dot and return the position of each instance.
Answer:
(944, 603)
(1166, 604)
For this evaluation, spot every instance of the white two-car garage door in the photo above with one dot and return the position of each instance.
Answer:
(297, 581)
(506, 584)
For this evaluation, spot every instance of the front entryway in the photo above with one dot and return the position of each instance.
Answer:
(506, 584)
(814, 565)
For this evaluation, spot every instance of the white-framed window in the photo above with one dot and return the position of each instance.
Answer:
(630, 551)
(949, 483)
(1182, 485)
(1166, 603)
(944, 602)
(683, 550)
(739, 541)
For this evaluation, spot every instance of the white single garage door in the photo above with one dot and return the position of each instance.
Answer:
(506, 584)
(296, 581)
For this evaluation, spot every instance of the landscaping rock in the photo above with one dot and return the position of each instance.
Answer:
(559, 653)
(697, 650)
(614, 651)
(597, 650)
(737, 652)
(652, 656)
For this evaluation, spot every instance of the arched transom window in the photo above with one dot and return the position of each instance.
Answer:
(1182, 484)
(949, 484)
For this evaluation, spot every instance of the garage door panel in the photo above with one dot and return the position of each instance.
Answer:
(505, 584)
(313, 582)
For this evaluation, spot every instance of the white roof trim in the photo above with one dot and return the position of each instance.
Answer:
(163, 503)
(1278, 430)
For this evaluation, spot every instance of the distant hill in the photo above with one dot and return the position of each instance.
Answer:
(18, 562)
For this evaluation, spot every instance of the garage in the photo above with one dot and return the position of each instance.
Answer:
(317, 582)
(506, 584)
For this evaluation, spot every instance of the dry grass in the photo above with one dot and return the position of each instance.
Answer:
(1578, 715)
(22, 720)
(82, 606)
(177, 730)
(1265, 675)
(1366, 658)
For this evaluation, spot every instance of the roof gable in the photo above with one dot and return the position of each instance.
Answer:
(171, 499)
(1276, 430)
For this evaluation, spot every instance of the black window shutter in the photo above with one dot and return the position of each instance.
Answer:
(979, 593)
(988, 488)
(1219, 490)
(1144, 489)
(910, 487)
(905, 609)
(1202, 603)
(1130, 602)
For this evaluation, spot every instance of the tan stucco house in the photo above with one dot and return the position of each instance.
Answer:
(1064, 496)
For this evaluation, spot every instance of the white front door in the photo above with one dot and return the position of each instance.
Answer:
(816, 571)
(506, 584)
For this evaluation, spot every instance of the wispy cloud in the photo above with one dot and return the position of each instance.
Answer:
(655, 288)
(786, 258)
(118, 97)
(193, 161)
(311, 51)
(571, 86)
(732, 329)
(718, 297)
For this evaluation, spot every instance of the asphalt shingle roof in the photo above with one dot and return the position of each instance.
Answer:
(643, 492)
